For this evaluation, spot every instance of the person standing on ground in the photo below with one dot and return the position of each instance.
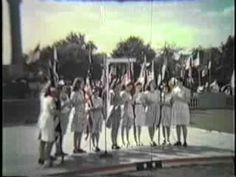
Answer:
(97, 118)
(79, 122)
(152, 97)
(114, 118)
(166, 114)
(180, 111)
(47, 124)
(128, 114)
(140, 116)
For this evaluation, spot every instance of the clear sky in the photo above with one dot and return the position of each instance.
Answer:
(187, 23)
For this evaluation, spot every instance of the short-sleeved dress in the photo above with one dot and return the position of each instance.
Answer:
(152, 108)
(127, 115)
(140, 115)
(115, 111)
(79, 120)
(65, 112)
(97, 115)
(180, 108)
(166, 110)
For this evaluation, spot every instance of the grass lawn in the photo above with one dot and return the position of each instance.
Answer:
(219, 120)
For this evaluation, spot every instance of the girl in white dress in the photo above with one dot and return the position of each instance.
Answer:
(152, 100)
(79, 122)
(127, 113)
(97, 118)
(166, 114)
(47, 124)
(180, 111)
(139, 110)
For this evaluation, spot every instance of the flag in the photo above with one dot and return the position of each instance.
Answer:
(209, 64)
(159, 79)
(176, 56)
(204, 72)
(34, 55)
(142, 73)
(188, 63)
(232, 80)
(196, 61)
(151, 75)
(163, 70)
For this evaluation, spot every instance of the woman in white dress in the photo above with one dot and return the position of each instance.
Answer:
(79, 121)
(97, 118)
(47, 124)
(166, 114)
(139, 110)
(152, 100)
(127, 113)
(180, 111)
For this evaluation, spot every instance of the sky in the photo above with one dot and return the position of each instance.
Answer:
(186, 23)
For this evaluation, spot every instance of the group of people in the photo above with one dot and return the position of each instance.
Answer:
(131, 104)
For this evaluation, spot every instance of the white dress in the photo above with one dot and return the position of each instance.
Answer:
(127, 113)
(64, 115)
(140, 115)
(46, 119)
(166, 111)
(79, 120)
(180, 108)
(97, 115)
(152, 100)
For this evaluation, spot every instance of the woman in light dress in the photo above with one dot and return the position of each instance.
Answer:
(139, 110)
(114, 118)
(97, 118)
(79, 121)
(65, 105)
(152, 100)
(166, 114)
(180, 111)
(127, 113)
(47, 125)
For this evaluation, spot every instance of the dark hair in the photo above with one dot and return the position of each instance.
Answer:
(76, 84)
(48, 90)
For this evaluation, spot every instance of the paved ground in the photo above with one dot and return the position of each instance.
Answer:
(217, 170)
(20, 150)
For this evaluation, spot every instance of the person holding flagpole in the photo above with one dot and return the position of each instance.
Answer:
(114, 115)
(79, 122)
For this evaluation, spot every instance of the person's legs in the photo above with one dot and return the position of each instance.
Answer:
(139, 135)
(41, 152)
(168, 134)
(47, 154)
(164, 134)
(185, 132)
(135, 134)
(178, 131)
(122, 134)
(93, 139)
(75, 141)
(151, 134)
(97, 135)
(79, 140)
(116, 135)
(127, 135)
(113, 135)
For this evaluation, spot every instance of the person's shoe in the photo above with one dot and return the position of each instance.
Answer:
(178, 143)
(81, 151)
(164, 142)
(40, 161)
(185, 144)
(97, 149)
(48, 164)
(113, 146)
(75, 151)
(153, 144)
(117, 147)
(52, 158)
